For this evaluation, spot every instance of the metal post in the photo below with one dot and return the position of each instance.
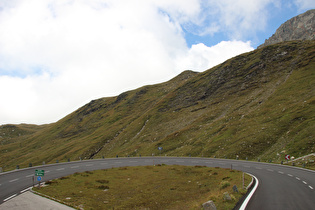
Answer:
(243, 180)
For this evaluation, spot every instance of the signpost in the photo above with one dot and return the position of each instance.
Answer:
(160, 149)
(287, 157)
(39, 172)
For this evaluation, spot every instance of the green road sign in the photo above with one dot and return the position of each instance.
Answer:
(39, 172)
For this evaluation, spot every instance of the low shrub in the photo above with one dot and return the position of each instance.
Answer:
(102, 181)
(224, 184)
(103, 187)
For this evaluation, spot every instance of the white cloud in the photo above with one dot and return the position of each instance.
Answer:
(200, 57)
(57, 55)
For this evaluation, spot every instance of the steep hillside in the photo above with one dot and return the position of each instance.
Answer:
(301, 27)
(257, 105)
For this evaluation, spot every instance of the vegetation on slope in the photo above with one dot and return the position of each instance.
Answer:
(257, 105)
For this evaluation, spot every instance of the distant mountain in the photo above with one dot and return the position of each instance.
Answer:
(259, 104)
(301, 27)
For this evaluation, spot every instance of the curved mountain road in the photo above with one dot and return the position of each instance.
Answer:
(280, 187)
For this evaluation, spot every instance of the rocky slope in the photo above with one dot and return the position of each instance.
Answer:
(301, 27)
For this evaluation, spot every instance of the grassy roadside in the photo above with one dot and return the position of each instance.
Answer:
(150, 187)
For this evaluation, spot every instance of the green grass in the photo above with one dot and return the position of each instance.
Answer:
(150, 187)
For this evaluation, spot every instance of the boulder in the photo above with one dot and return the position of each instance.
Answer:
(227, 197)
(209, 205)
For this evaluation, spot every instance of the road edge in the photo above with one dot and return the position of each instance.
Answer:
(241, 205)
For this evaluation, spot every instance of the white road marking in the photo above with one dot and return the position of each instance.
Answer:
(280, 172)
(297, 178)
(247, 199)
(104, 163)
(258, 168)
(12, 196)
(118, 162)
(59, 169)
(30, 175)
(47, 171)
(26, 189)
(310, 187)
(75, 167)
(269, 170)
(304, 182)
(133, 161)
(89, 164)
(290, 175)
(194, 161)
(13, 180)
(246, 166)
(179, 161)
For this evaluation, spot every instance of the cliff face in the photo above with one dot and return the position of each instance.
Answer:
(301, 27)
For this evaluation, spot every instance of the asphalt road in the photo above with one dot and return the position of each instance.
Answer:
(280, 187)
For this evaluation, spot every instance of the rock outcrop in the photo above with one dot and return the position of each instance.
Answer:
(301, 27)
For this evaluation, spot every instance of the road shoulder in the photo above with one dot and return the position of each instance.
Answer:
(30, 201)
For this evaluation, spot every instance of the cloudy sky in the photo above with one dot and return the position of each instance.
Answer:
(57, 55)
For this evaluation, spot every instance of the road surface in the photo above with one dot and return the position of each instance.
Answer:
(280, 187)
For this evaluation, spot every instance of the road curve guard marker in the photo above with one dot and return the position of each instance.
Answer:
(249, 196)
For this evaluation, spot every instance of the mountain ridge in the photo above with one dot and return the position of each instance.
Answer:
(256, 105)
(300, 27)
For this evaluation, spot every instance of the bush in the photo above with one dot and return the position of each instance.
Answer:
(64, 177)
(224, 184)
(103, 187)
(102, 181)
(50, 182)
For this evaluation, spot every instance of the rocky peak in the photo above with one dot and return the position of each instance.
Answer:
(301, 27)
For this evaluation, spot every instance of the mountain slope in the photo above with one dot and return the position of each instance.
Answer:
(301, 27)
(257, 105)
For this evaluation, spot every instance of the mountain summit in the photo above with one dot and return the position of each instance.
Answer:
(301, 27)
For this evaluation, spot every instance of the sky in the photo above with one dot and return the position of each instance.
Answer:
(57, 55)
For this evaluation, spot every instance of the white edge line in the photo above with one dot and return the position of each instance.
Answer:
(12, 196)
(243, 206)
(26, 189)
